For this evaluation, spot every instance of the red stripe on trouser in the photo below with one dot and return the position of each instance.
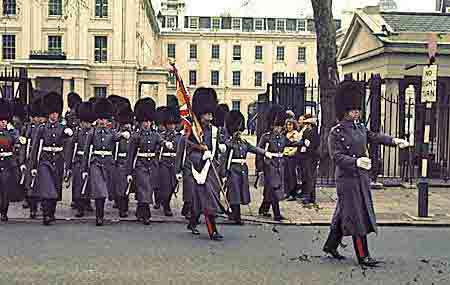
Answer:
(359, 247)
(209, 225)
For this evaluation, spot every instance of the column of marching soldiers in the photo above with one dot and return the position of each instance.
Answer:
(107, 149)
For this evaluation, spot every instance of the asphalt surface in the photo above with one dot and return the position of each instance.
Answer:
(130, 253)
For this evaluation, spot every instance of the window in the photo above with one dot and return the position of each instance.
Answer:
(258, 78)
(192, 77)
(101, 8)
(192, 51)
(311, 27)
(171, 50)
(214, 78)
(247, 24)
(9, 46)
(236, 52)
(54, 7)
(301, 25)
(271, 24)
(301, 54)
(215, 51)
(226, 23)
(205, 23)
(281, 25)
(100, 91)
(216, 23)
(236, 105)
(280, 53)
(291, 25)
(171, 22)
(9, 7)
(236, 78)
(236, 23)
(101, 49)
(258, 52)
(172, 79)
(259, 24)
(54, 44)
(193, 23)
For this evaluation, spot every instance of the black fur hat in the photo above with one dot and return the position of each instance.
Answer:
(159, 114)
(119, 103)
(348, 97)
(52, 103)
(125, 115)
(234, 122)
(144, 109)
(277, 116)
(204, 101)
(73, 99)
(170, 115)
(6, 111)
(19, 110)
(103, 108)
(85, 112)
(220, 115)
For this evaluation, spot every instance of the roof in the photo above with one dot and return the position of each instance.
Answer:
(417, 22)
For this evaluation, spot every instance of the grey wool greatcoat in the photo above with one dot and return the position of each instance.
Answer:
(100, 167)
(9, 171)
(142, 161)
(167, 170)
(238, 190)
(121, 159)
(354, 214)
(50, 164)
(28, 132)
(75, 159)
(184, 165)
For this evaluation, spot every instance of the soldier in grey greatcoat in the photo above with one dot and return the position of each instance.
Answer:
(86, 115)
(202, 154)
(48, 156)
(347, 143)
(183, 167)
(142, 163)
(236, 169)
(98, 158)
(167, 171)
(160, 128)
(9, 168)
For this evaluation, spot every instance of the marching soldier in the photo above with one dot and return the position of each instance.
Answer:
(143, 160)
(160, 128)
(98, 160)
(168, 180)
(354, 215)
(201, 154)
(238, 192)
(122, 188)
(183, 168)
(86, 115)
(47, 156)
(72, 120)
(9, 169)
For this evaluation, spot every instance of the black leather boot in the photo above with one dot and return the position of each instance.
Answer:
(332, 244)
(362, 252)
(216, 235)
(80, 209)
(276, 212)
(3, 217)
(122, 207)
(264, 210)
(99, 211)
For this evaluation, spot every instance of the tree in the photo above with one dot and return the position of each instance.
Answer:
(328, 76)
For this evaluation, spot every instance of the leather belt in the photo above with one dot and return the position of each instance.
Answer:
(168, 154)
(146, 154)
(277, 155)
(80, 152)
(6, 154)
(52, 148)
(123, 154)
(239, 161)
(102, 152)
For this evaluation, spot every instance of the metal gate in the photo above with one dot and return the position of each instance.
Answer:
(15, 84)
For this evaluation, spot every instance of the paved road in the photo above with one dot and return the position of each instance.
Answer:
(128, 253)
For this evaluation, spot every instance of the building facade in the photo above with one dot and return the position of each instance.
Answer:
(443, 6)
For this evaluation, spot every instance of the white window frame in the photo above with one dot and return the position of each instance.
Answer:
(214, 21)
(301, 25)
(196, 51)
(218, 78)
(100, 86)
(262, 53)
(240, 78)
(261, 21)
(240, 53)
(193, 23)
(277, 26)
(304, 55)
(174, 24)
(261, 79)
(280, 48)
(234, 24)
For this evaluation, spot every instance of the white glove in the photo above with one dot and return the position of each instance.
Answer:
(84, 175)
(268, 155)
(129, 178)
(364, 163)
(68, 132)
(23, 168)
(23, 140)
(303, 149)
(126, 135)
(169, 145)
(222, 148)
(179, 176)
(401, 143)
(34, 172)
(207, 155)
(307, 142)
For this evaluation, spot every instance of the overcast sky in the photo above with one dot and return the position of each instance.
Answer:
(339, 5)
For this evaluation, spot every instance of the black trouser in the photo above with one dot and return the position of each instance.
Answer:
(195, 220)
(122, 203)
(143, 211)
(186, 210)
(359, 243)
(236, 211)
(100, 208)
(49, 207)
(308, 168)
(33, 204)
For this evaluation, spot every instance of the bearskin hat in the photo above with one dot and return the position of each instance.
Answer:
(53, 103)
(93, 100)
(73, 99)
(144, 109)
(234, 122)
(19, 110)
(348, 97)
(159, 114)
(85, 112)
(103, 108)
(170, 115)
(125, 115)
(277, 116)
(220, 115)
(119, 102)
(204, 101)
(6, 111)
